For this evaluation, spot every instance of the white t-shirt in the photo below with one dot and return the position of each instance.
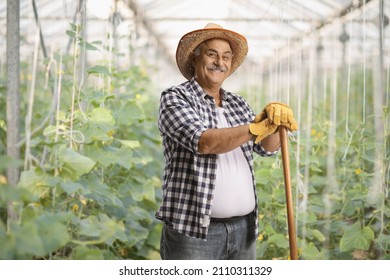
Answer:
(234, 193)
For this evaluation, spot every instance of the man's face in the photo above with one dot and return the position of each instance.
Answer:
(213, 65)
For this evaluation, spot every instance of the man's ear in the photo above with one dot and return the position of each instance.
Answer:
(193, 58)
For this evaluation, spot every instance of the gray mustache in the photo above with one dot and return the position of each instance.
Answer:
(214, 67)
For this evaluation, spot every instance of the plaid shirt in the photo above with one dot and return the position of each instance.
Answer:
(186, 111)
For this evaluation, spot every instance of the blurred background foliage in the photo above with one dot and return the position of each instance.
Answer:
(92, 161)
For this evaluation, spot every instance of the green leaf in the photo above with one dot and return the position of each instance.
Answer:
(106, 156)
(53, 232)
(137, 213)
(125, 157)
(262, 176)
(141, 189)
(312, 253)
(265, 198)
(110, 155)
(149, 189)
(97, 97)
(3, 230)
(279, 240)
(30, 178)
(318, 235)
(93, 133)
(6, 162)
(155, 236)
(309, 217)
(269, 230)
(276, 174)
(50, 130)
(135, 232)
(111, 229)
(129, 113)
(76, 163)
(17, 194)
(102, 118)
(42, 236)
(103, 228)
(28, 241)
(86, 253)
(100, 191)
(262, 248)
(71, 33)
(315, 234)
(136, 191)
(356, 237)
(34, 182)
(98, 69)
(71, 187)
(132, 144)
(279, 195)
(143, 160)
(7, 249)
(383, 241)
(90, 227)
(88, 46)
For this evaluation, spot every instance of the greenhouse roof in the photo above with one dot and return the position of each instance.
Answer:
(274, 28)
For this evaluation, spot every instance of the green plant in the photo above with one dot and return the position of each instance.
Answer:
(90, 185)
(335, 214)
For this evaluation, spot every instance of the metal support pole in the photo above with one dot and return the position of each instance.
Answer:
(13, 68)
(376, 190)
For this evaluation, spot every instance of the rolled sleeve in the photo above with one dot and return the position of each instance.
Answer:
(259, 149)
(179, 121)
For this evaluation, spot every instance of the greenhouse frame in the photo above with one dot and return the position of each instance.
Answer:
(81, 158)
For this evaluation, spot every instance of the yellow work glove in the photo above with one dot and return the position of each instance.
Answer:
(281, 114)
(262, 129)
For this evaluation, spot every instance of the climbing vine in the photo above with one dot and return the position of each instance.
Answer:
(91, 188)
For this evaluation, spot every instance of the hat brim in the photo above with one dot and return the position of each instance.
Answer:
(191, 40)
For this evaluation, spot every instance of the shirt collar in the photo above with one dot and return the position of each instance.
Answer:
(200, 92)
(225, 94)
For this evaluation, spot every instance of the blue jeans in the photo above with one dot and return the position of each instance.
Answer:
(231, 239)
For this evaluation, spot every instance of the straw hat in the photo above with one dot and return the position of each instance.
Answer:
(191, 40)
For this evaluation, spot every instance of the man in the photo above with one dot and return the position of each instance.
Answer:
(209, 205)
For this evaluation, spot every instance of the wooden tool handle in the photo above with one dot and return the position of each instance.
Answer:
(289, 200)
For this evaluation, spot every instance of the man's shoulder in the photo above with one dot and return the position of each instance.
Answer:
(180, 87)
(186, 89)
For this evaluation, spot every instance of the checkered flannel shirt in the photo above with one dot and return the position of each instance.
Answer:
(185, 112)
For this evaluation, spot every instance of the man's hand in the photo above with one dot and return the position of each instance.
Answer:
(268, 120)
(279, 114)
(262, 129)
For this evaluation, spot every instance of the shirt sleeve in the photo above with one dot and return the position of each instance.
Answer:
(259, 149)
(179, 121)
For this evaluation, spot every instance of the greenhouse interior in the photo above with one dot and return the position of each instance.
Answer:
(81, 164)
